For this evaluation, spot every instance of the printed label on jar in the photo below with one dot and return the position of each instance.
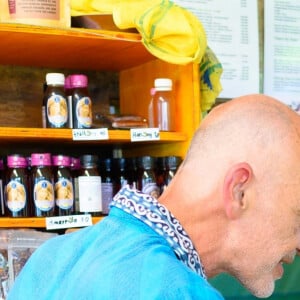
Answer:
(43, 195)
(57, 110)
(90, 194)
(64, 196)
(15, 196)
(84, 112)
(151, 189)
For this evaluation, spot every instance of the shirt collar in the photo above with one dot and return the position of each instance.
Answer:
(151, 212)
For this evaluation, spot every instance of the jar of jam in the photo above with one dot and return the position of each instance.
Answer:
(63, 185)
(16, 191)
(43, 185)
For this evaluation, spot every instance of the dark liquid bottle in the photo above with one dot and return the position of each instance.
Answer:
(122, 172)
(43, 189)
(55, 105)
(75, 169)
(108, 185)
(89, 186)
(172, 164)
(63, 185)
(17, 197)
(146, 178)
(81, 102)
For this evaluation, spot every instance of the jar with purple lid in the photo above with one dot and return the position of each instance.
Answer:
(63, 185)
(81, 101)
(16, 191)
(43, 184)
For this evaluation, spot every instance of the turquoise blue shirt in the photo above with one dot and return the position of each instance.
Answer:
(139, 251)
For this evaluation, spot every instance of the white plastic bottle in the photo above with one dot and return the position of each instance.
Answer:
(161, 105)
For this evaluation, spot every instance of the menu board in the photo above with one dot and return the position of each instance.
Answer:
(232, 34)
(282, 51)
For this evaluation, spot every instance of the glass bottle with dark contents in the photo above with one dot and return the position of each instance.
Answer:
(16, 191)
(63, 185)
(146, 176)
(89, 186)
(55, 105)
(108, 184)
(81, 102)
(43, 185)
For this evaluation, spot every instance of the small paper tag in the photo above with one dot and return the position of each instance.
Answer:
(68, 221)
(90, 134)
(144, 134)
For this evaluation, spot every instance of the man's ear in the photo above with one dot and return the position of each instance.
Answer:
(235, 188)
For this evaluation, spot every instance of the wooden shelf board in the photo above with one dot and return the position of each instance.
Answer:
(72, 48)
(29, 222)
(14, 134)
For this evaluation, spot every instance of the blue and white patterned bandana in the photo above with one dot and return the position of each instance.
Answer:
(151, 212)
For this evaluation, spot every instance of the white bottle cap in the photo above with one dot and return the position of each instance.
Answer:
(55, 78)
(163, 84)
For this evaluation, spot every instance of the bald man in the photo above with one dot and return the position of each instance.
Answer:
(233, 206)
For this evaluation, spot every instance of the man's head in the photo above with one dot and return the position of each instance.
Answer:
(237, 193)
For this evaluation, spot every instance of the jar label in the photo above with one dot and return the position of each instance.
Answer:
(43, 195)
(64, 196)
(57, 110)
(15, 196)
(90, 194)
(84, 112)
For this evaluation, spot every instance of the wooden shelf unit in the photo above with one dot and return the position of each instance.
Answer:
(103, 50)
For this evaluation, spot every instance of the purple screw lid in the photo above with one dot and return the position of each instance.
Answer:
(16, 160)
(61, 160)
(75, 163)
(68, 82)
(41, 159)
(78, 80)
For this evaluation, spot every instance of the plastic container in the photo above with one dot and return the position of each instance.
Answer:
(81, 102)
(162, 105)
(55, 107)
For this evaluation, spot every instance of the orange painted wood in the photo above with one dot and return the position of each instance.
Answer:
(48, 134)
(30, 222)
(74, 48)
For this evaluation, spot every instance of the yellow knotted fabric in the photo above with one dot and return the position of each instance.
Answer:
(168, 31)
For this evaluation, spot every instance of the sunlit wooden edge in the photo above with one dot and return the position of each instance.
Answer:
(48, 134)
(30, 222)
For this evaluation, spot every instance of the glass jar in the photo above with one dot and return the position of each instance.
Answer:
(43, 185)
(17, 199)
(89, 186)
(63, 185)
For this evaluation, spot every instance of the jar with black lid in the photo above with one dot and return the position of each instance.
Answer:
(63, 185)
(172, 164)
(89, 186)
(16, 191)
(146, 176)
(43, 185)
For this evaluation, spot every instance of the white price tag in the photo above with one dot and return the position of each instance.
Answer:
(90, 134)
(68, 221)
(144, 134)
